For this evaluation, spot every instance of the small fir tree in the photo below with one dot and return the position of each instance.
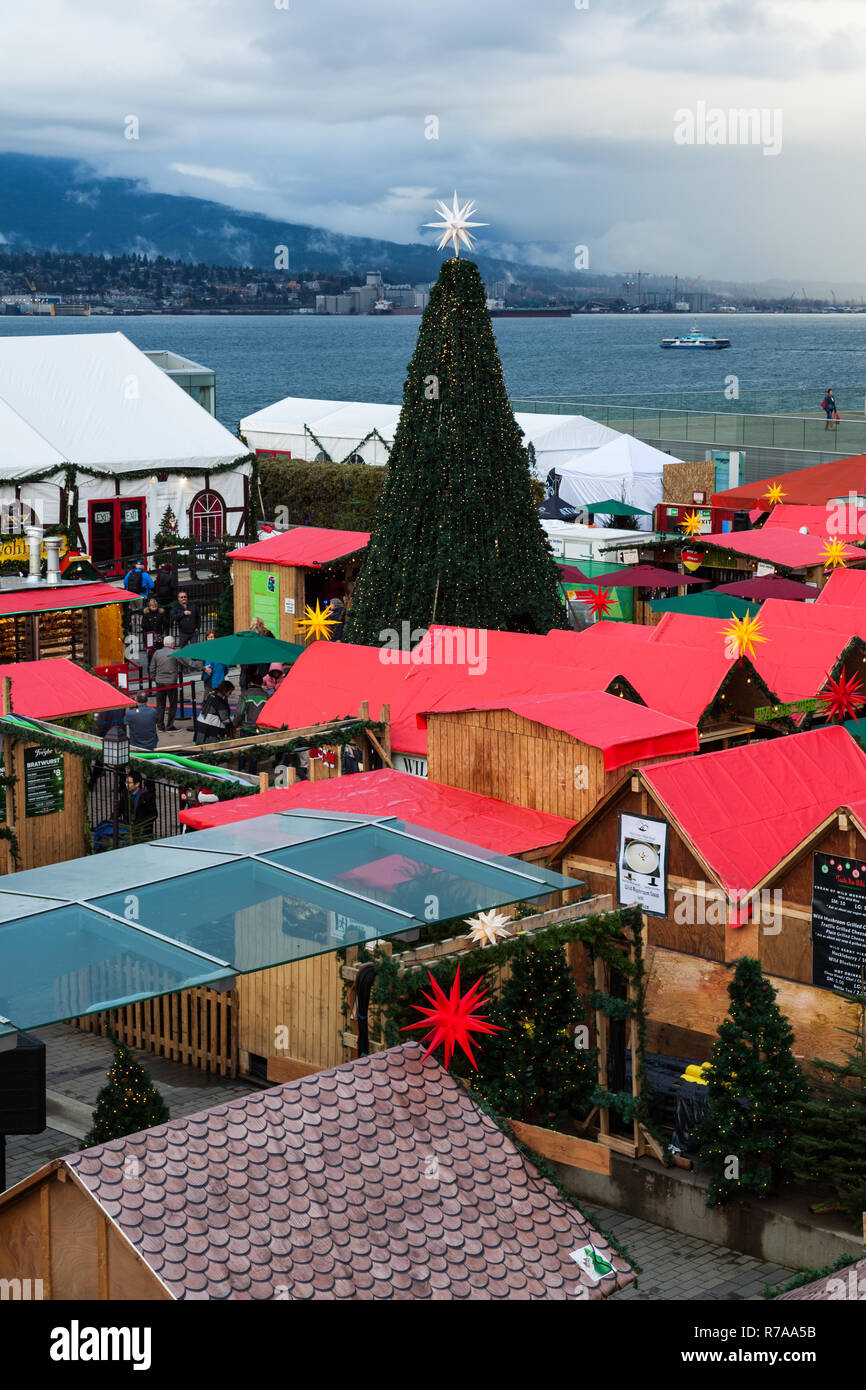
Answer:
(457, 538)
(757, 1093)
(830, 1146)
(534, 1070)
(127, 1103)
(167, 533)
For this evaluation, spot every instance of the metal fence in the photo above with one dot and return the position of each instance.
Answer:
(106, 799)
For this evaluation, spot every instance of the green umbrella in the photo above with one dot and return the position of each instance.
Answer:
(243, 649)
(611, 508)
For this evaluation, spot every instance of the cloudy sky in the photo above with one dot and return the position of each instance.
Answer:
(560, 121)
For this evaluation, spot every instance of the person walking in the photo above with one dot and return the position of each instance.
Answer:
(184, 615)
(165, 586)
(154, 626)
(215, 716)
(138, 581)
(828, 405)
(165, 670)
(141, 724)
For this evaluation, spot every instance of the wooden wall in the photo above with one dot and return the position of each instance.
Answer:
(500, 754)
(689, 962)
(680, 480)
(106, 635)
(290, 585)
(43, 839)
(54, 1231)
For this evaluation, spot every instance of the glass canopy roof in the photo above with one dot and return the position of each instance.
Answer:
(95, 933)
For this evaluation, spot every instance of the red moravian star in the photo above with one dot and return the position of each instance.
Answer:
(599, 601)
(453, 1019)
(842, 697)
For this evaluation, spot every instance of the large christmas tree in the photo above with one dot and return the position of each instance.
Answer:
(127, 1103)
(457, 537)
(535, 1070)
(830, 1146)
(757, 1092)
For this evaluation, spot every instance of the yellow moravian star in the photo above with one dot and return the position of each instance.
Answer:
(316, 623)
(691, 524)
(743, 634)
(774, 494)
(834, 554)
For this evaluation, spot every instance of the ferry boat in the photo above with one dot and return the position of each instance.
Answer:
(696, 341)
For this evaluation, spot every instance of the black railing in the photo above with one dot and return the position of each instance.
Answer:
(109, 824)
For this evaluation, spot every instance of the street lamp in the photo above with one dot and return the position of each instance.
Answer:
(115, 755)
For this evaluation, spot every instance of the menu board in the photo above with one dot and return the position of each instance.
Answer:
(642, 864)
(43, 782)
(838, 923)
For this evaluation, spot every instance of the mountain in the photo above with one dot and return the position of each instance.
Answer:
(62, 205)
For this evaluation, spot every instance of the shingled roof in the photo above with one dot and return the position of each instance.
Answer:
(377, 1179)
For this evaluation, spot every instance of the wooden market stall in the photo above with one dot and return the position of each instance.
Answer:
(276, 579)
(79, 621)
(43, 796)
(726, 867)
(305, 998)
(558, 754)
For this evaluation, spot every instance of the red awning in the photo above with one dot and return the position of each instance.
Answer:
(790, 549)
(56, 689)
(746, 808)
(309, 547)
(769, 586)
(481, 820)
(645, 577)
(845, 588)
(42, 600)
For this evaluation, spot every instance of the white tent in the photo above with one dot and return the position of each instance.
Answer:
(362, 432)
(96, 401)
(91, 413)
(625, 469)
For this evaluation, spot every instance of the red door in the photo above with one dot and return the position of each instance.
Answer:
(117, 532)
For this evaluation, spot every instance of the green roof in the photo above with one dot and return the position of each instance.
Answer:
(705, 605)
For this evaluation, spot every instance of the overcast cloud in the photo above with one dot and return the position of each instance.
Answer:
(559, 121)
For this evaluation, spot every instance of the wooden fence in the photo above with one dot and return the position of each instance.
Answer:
(197, 1026)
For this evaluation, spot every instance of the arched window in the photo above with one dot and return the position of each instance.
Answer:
(355, 458)
(15, 515)
(207, 517)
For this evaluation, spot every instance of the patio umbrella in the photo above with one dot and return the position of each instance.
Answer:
(243, 649)
(570, 573)
(612, 508)
(645, 577)
(764, 586)
(554, 509)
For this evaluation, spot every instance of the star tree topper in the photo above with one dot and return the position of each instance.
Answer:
(454, 225)
(453, 1019)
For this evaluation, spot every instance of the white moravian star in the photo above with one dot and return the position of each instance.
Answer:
(455, 224)
(488, 928)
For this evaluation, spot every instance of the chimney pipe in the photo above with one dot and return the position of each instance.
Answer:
(52, 551)
(34, 542)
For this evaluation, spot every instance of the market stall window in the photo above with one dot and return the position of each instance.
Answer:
(207, 516)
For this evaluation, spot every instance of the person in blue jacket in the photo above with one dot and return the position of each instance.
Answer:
(138, 581)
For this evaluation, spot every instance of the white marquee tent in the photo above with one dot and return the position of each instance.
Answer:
(625, 469)
(356, 431)
(89, 408)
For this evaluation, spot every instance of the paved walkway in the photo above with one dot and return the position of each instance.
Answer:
(674, 1266)
(683, 1267)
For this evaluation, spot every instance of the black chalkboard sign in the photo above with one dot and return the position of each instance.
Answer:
(838, 922)
(43, 782)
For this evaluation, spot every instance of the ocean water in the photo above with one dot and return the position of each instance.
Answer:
(260, 360)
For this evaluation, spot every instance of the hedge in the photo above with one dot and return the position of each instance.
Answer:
(340, 495)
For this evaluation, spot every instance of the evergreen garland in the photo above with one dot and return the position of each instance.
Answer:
(457, 537)
(129, 1101)
(757, 1093)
